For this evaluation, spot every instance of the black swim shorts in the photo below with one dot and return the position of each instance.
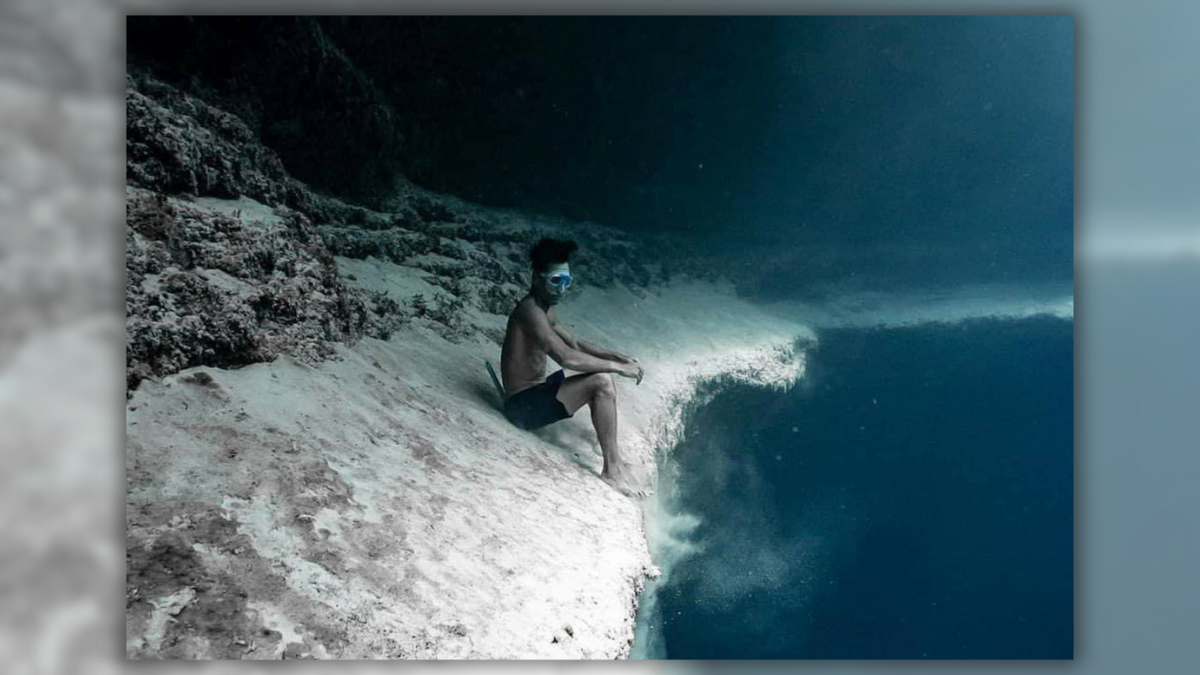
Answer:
(538, 405)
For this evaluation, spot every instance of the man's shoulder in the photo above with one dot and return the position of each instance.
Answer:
(525, 309)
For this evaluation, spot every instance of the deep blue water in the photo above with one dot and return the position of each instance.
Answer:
(911, 499)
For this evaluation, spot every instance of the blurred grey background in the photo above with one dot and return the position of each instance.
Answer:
(61, 352)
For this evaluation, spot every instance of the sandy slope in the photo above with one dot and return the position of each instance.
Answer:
(379, 505)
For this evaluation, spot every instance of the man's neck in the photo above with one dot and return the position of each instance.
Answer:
(541, 302)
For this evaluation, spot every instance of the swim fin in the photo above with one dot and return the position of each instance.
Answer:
(495, 380)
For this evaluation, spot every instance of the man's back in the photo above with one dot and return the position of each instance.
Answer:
(523, 359)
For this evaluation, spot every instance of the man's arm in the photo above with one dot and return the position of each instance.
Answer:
(563, 353)
(589, 348)
(603, 353)
(566, 337)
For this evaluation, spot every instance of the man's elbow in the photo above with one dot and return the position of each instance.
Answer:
(571, 359)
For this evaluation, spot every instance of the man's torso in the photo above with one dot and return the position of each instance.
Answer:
(523, 360)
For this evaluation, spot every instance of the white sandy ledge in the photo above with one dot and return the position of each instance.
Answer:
(461, 536)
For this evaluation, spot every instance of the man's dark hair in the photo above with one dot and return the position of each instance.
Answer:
(548, 251)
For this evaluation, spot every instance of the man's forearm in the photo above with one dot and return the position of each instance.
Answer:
(584, 362)
(595, 350)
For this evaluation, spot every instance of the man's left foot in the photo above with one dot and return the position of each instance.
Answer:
(625, 483)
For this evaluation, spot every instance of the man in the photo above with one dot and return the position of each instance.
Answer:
(531, 399)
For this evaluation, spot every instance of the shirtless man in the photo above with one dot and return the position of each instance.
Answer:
(533, 400)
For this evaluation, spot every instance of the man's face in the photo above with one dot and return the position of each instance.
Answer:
(555, 282)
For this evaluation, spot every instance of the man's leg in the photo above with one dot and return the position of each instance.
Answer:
(599, 392)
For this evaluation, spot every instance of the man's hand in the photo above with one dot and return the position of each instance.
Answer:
(632, 371)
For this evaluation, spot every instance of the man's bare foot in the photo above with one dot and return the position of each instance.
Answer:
(623, 478)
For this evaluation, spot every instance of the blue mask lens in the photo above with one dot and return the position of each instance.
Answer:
(561, 281)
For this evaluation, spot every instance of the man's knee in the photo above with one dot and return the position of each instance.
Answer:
(603, 384)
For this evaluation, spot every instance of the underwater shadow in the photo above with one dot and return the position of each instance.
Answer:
(576, 443)
(484, 392)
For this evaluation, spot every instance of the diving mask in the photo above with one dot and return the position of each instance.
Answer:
(558, 279)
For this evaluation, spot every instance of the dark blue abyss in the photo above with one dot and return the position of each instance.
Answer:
(912, 498)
